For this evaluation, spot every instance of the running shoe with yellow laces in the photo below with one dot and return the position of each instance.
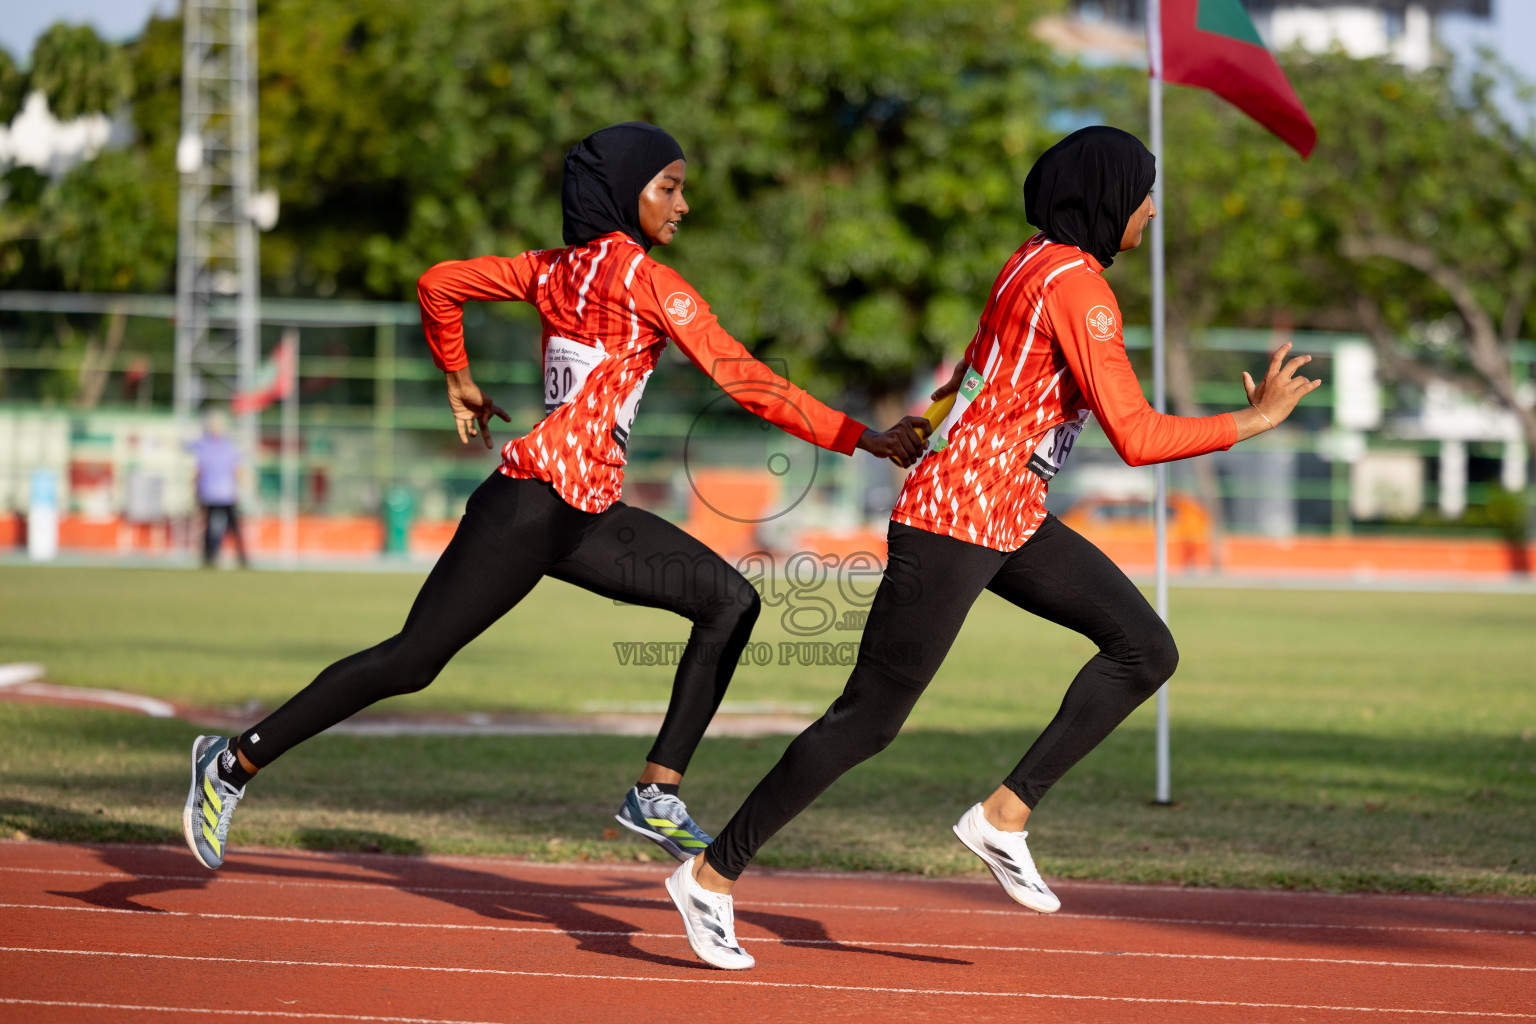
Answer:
(663, 819)
(210, 802)
(1008, 857)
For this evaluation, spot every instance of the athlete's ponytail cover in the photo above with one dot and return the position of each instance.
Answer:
(604, 176)
(1083, 190)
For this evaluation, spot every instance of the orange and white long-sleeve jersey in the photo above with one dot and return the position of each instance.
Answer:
(608, 310)
(1049, 351)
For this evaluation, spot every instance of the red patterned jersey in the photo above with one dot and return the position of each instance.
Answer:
(1049, 351)
(607, 311)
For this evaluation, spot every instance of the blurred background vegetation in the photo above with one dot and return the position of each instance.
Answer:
(854, 168)
(855, 174)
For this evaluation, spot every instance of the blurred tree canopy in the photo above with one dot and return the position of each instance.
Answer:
(79, 72)
(98, 227)
(12, 87)
(1254, 231)
(854, 169)
(1414, 222)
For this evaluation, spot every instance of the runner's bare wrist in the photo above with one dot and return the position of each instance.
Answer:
(1251, 422)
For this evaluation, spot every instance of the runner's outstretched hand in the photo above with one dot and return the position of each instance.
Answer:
(1271, 400)
(472, 408)
(903, 443)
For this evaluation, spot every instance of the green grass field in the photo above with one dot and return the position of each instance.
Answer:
(1378, 741)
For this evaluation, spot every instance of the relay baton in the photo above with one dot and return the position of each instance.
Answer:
(935, 415)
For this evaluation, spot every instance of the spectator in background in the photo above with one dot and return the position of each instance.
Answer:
(218, 486)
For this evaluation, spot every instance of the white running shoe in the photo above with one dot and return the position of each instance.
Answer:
(1008, 857)
(709, 920)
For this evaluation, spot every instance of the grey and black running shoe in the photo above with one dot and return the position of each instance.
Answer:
(210, 802)
(663, 819)
(1008, 857)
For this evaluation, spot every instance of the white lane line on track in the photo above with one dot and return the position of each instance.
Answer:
(1076, 884)
(629, 979)
(245, 1012)
(203, 881)
(1221, 923)
(556, 930)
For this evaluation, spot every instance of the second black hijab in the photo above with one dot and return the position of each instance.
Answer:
(604, 176)
(1083, 190)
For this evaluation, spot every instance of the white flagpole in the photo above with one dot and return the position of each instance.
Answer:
(1159, 386)
(289, 446)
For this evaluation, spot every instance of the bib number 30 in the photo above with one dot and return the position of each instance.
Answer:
(566, 366)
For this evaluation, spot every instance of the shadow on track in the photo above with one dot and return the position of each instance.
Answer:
(494, 897)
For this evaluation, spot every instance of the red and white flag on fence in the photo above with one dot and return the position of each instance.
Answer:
(276, 379)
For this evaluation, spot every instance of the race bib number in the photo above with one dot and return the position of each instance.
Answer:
(1052, 451)
(625, 418)
(566, 366)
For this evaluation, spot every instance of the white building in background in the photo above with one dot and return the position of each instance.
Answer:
(37, 139)
(1402, 30)
(1406, 36)
(1390, 484)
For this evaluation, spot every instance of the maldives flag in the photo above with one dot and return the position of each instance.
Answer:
(1213, 45)
(275, 381)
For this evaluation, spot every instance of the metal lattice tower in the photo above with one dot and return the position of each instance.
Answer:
(217, 287)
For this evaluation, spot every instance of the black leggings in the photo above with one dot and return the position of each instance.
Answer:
(220, 518)
(514, 533)
(930, 583)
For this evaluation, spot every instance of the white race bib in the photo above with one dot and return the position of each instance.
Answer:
(624, 419)
(1052, 451)
(566, 366)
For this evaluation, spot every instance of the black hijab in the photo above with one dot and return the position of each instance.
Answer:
(604, 176)
(1083, 190)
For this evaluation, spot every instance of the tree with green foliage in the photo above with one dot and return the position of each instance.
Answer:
(94, 228)
(1454, 242)
(855, 168)
(79, 72)
(855, 171)
(12, 87)
(1417, 208)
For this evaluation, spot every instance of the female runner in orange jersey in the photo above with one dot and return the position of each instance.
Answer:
(552, 508)
(971, 517)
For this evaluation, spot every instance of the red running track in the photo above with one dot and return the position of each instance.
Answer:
(133, 934)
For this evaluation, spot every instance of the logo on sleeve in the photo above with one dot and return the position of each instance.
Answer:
(680, 308)
(1101, 323)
